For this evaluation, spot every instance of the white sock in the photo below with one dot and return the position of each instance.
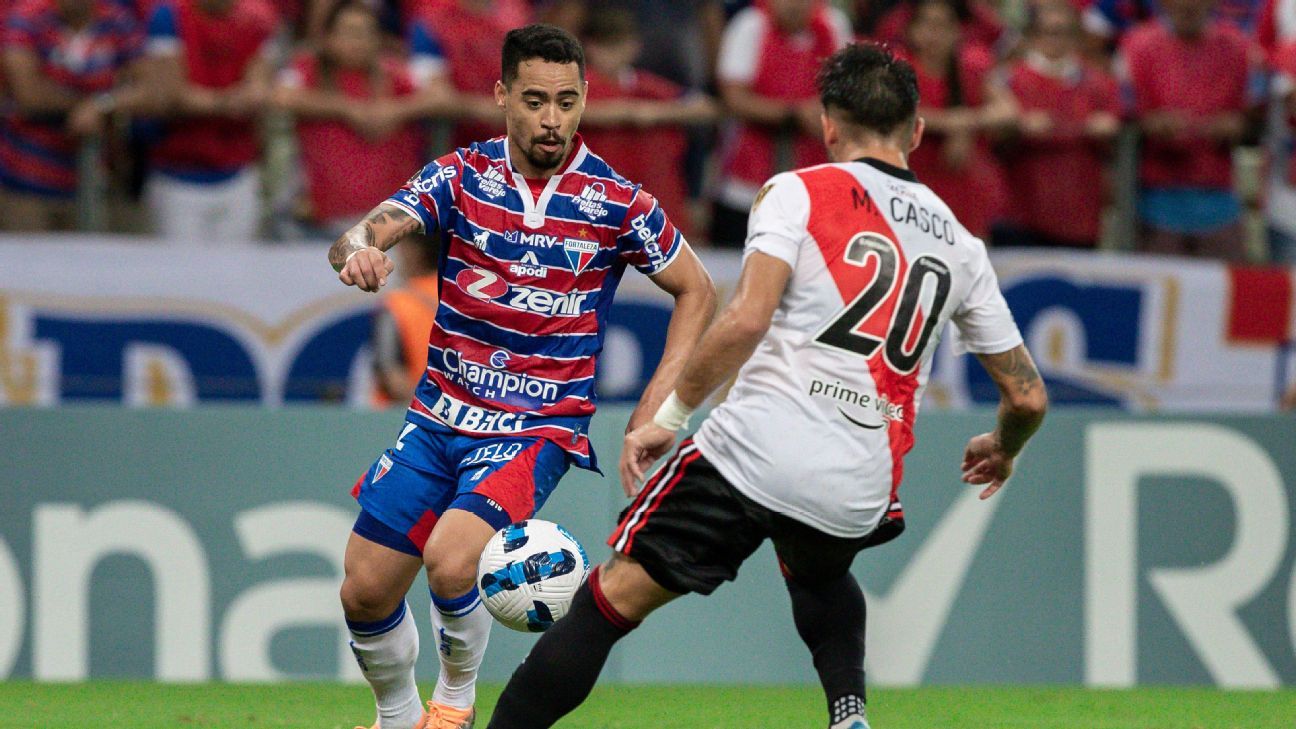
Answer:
(462, 627)
(386, 651)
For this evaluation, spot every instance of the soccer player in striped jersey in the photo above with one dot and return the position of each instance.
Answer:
(536, 232)
(852, 269)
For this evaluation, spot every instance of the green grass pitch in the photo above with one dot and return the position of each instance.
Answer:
(131, 705)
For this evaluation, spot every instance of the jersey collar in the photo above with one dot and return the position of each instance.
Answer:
(533, 211)
(890, 169)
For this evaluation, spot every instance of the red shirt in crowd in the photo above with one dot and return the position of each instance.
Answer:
(216, 51)
(1056, 181)
(37, 155)
(779, 65)
(653, 157)
(976, 191)
(1202, 77)
(471, 44)
(345, 172)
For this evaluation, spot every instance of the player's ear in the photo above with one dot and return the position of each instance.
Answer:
(829, 129)
(501, 94)
(919, 126)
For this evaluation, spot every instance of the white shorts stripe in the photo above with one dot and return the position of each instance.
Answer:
(666, 478)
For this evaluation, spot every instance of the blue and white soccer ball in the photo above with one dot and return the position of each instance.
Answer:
(529, 572)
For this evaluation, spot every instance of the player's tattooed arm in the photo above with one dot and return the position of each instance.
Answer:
(382, 228)
(360, 256)
(1023, 399)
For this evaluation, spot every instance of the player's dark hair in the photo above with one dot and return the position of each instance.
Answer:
(867, 85)
(546, 42)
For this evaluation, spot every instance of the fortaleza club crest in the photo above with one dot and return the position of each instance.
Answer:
(384, 465)
(580, 253)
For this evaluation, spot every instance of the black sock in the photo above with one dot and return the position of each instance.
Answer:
(564, 664)
(830, 619)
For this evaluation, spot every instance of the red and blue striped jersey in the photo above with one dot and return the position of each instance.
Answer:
(37, 154)
(526, 288)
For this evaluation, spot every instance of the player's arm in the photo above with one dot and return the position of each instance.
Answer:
(688, 282)
(1023, 401)
(726, 345)
(730, 341)
(360, 255)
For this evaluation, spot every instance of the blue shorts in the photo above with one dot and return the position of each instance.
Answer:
(433, 468)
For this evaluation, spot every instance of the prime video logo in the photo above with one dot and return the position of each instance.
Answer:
(496, 384)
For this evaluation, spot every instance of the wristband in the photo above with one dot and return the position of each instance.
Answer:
(673, 413)
(347, 260)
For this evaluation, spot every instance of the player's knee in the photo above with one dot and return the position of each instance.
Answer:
(365, 601)
(451, 572)
(629, 588)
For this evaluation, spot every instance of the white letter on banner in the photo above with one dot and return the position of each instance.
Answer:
(253, 619)
(905, 624)
(1203, 600)
(69, 542)
(13, 602)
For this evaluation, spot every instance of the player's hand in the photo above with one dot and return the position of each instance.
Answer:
(985, 463)
(367, 269)
(642, 447)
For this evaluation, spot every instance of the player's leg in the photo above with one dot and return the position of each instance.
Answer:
(460, 622)
(829, 609)
(565, 663)
(501, 481)
(384, 637)
(400, 494)
(687, 531)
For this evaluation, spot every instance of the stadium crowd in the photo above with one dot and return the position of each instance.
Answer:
(220, 120)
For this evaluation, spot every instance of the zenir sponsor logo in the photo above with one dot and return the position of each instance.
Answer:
(482, 284)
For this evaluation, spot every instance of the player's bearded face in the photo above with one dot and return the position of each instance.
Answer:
(542, 110)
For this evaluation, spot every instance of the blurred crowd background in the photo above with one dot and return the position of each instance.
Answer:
(1153, 125)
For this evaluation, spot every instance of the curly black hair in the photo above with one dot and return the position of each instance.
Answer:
(870, 86)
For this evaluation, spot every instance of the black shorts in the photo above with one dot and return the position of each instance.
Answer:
(691, 530)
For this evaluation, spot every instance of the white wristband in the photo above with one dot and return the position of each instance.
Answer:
(673, 413)
(352, 255)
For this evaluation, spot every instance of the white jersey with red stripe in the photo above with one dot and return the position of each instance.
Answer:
(817, 424)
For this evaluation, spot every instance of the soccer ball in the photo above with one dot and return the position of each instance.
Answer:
(529, 573)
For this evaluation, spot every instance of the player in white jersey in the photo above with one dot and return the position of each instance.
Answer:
(851, 271)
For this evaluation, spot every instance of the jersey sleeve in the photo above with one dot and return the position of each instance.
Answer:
(777, 224)
(985, 325)
(648, 240)
(430, 195)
